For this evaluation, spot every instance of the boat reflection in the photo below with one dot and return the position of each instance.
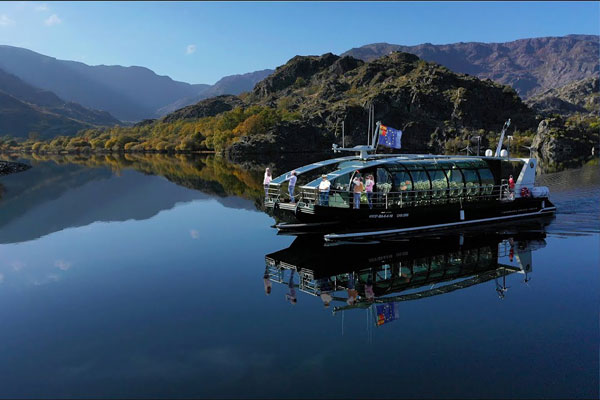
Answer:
(380, 276)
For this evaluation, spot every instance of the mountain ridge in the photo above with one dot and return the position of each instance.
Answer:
(529, 65)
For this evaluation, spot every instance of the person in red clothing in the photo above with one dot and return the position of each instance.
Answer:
(511, 186)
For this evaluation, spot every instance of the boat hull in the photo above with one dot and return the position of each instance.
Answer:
(342, 223)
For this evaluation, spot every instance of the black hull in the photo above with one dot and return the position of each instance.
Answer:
(342, 223)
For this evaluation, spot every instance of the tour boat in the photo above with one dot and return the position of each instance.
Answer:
(411, 192)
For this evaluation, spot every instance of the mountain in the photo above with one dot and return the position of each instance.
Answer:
(25, 109)
(300, 108)
(427, 101)
(229, 85)
(129, 93)
(581, 96)
(530, 66)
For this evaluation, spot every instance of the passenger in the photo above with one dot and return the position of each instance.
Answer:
(369, 293)
(267, 283)
(324, 191)
(326, 297)
(266, 181)
(291, 296)
(352, 292)
(511, 187)
(324, 286)
(292, 185)
(370, 182)
(358, 189)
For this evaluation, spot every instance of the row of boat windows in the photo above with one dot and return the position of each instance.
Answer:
(400, 177)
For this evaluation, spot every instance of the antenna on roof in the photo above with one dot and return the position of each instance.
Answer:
(504, 128)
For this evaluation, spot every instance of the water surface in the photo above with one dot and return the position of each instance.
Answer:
(143, 277)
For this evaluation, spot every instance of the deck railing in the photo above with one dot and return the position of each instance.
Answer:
(408, 198)
(343, 198)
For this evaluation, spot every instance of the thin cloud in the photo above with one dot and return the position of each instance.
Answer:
(62, 264)
(191, 49)
(17, 265)
(5, 20)
(194, 234)
(41, 7)
(52, 20)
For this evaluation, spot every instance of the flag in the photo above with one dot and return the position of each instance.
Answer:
(390, 137)
(387, 312)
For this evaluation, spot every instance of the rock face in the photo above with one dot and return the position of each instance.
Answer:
(205, 108)
(577, 97)
(556, 143)
(8, 167)
(530, 66)
(285, 138)
(427, 101)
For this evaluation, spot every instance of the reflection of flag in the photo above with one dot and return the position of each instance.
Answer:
(390, 137)
(387, 312)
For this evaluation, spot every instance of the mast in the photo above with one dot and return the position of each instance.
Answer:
(504, 128)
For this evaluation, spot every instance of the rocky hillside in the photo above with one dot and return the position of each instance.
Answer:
(581, 96)
(25, 109)
(530, 66)
(430, 103)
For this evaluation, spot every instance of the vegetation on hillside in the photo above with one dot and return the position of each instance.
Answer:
(213, 133)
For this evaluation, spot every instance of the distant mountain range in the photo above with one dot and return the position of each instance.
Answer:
(50, 96)
(233, 84)
(530, 66)
(128, 93)
(25, 109)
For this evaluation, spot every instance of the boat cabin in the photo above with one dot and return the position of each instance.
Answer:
(410, 180)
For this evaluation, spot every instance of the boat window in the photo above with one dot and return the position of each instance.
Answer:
(471, 176)
(455, 180)
(487, 180)
(419, 176)
(471, 181)
(486, 176)
(341, 182)
(402, 180)
(383, 181)
(438, 179)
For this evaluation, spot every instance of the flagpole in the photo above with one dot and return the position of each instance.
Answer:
(376, 136)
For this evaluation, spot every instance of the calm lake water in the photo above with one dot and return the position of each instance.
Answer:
(144, 277)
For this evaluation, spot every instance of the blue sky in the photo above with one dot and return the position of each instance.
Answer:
(200, 42)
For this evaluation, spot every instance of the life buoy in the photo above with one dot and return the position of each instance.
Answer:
(525, 192)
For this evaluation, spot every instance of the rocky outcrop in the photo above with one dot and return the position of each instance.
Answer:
(205, 108)
(285, 138)
(530, 66)
(428, 102)
(294, 72)
(581, 96)
(9, 167)
(558, 143)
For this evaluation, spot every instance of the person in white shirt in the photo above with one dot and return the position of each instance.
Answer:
(324, 191)
(268, 178)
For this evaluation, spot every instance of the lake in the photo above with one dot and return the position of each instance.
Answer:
(144, 276)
